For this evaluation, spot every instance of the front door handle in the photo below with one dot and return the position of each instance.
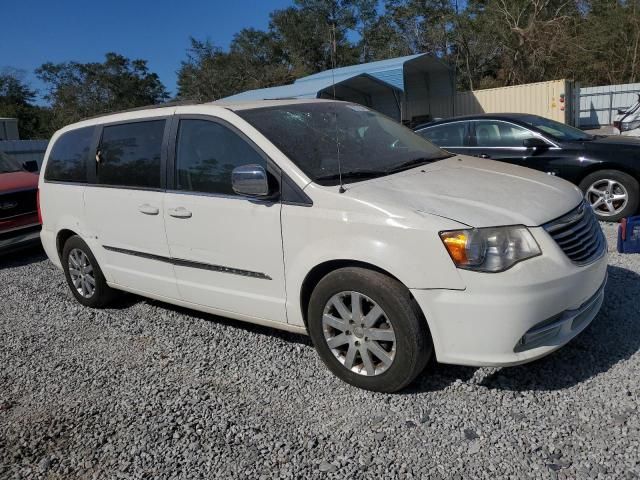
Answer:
(148, 209)
(179, 212)
(484, 155)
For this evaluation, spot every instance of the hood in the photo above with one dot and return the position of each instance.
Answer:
(473, 191)
(606, 141)
(18, 181)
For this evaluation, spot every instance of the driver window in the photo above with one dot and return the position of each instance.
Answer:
(206, 154)
(499, 134)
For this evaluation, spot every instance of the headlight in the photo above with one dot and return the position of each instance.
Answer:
(492, 249)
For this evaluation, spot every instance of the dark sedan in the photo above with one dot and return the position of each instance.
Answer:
(606, 168)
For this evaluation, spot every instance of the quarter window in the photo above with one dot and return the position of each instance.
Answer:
(68, 158)
(130, 154)
(206, 154)
(449, 135)
(500, 134)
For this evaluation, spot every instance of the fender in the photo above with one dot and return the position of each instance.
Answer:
(388, 244)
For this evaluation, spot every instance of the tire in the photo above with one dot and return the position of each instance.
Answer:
(101, 294)
(601, 189)
(401, 319)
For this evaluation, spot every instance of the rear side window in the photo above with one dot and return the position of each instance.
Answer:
(449, 135)
(206, 154)
(69, 156)
(130, 154)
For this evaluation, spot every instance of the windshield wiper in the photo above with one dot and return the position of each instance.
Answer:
(416, 162)
(360, 174)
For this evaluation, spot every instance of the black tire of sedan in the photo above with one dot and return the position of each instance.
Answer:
(368, 329)
(84, 276)
(612, 194)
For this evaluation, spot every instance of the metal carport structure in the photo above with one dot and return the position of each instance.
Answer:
(412, 88)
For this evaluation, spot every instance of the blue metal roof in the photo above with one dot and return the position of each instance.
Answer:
(390, 72)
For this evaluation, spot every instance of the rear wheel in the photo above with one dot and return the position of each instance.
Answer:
(83, 274)
(612, 194)
(368, 330)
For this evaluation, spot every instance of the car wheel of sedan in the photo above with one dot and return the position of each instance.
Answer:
(84, 276)
(612, 194)
(368, 329)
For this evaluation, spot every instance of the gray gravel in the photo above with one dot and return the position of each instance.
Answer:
(146, 390)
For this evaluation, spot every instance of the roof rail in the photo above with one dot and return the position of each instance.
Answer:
(175, 103)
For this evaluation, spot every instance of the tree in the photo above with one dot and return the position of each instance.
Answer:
(310, 31)
(79, 90)
(16, 101)
(608, 39)
(379, 38)
(299, 42)
(254, 61)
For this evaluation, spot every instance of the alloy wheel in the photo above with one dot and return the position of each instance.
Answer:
(607, 197)
(359, 333)
(81, 273)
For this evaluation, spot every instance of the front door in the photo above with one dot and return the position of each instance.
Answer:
(499, 140)
(124, 208)
(227, 249)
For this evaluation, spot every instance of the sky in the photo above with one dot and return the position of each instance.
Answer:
(33, 32)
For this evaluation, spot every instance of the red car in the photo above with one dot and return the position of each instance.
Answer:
(19, 222)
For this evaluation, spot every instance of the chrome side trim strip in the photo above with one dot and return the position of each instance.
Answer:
(179, 262)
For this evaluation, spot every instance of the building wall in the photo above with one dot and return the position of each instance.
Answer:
(9, 129)
(25, 150)
(541, 98)
(599, 105)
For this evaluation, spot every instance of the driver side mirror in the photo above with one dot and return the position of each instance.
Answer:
(251, 181)
(535, 143)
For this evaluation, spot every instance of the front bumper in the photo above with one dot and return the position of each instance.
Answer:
(19, 237)
(515, 316)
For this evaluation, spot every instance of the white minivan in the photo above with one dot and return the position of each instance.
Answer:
(324, 217)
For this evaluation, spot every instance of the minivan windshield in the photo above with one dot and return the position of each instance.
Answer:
(315, 135)
(9, 164)
(557, 130)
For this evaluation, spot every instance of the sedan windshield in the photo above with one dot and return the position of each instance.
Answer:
(8, 164)
(557, 130)
(326, 139)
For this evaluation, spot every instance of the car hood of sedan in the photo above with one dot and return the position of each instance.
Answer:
(476, 192)
(607, 141)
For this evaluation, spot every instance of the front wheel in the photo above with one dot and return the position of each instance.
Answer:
(368, 330)
(612, 194)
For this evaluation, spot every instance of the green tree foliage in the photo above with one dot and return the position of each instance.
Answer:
(80, 90)
(16, 101)
(491, 42)
(609, 39)
(300, 41)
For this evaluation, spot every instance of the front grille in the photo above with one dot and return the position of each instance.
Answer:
(578, 234)
(14, 204)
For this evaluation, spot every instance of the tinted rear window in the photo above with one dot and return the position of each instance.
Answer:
(68, 158)
(130, 154)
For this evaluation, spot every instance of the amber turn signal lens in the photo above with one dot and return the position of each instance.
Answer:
(456, 245)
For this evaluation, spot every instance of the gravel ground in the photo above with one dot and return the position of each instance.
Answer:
(146, 390)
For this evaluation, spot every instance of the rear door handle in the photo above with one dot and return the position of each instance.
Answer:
(179, 212)
(148, 209)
